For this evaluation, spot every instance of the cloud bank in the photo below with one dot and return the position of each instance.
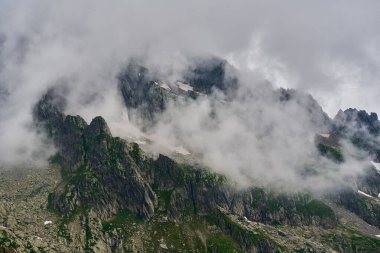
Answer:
(328, 48)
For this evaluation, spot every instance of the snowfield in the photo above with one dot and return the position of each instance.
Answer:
(181, 150)
(325, 135)
(48, 222)
(376, 165)
(164, 86)
(364, 194)
(184, 86)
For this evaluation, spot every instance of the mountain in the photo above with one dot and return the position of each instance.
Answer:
(147, 94)
(361, 130)
(101, 193)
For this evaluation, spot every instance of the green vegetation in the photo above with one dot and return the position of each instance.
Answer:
(257, 196)
(222, 244)
(63, 231)
(331, 152)
(350, 240)
(59, 161)
(236, 232)
(135, 152)
(303, 204)
(192, 235)
(204, 176)
(123, 219)
(315, 207)
(165, 197)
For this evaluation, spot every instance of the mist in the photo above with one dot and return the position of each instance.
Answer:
(327, 48)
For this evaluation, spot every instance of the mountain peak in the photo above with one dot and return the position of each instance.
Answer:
(99, 126)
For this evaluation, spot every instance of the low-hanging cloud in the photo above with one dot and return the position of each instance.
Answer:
(328, 48)
(257, 139)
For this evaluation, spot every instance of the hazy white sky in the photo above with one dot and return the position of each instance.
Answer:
(329, 48)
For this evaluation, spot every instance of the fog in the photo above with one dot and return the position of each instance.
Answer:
(327, 48)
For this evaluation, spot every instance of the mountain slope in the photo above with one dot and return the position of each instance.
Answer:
(113, 196)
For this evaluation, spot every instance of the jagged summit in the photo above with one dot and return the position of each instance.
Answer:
(98, 126)
(211, 73)
(147, 93)
(358, 119)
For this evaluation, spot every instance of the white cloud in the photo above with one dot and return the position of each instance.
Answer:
(328, 48)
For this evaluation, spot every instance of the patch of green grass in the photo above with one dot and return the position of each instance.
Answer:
(257, 196)
(222, 244)
(135, 152)
(63, 231)
(123, 219)
(331, 153)
(59, 161)
(206, 177)
(236, 231)
(350, 240)
(165, 197)
(315, 207)
(188, 236)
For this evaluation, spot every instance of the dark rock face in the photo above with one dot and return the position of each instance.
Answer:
(358, 119)
(139, 91)
(207, 74)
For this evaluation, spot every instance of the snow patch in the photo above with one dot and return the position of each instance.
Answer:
(48, 222)
(184, 86)
(163, 246)
(377, 236)
(376, 165)
(3, 228)
(165, 86)
(325, 135)
(181, 150)
(246, 219)
(37, 238)
(364, 194)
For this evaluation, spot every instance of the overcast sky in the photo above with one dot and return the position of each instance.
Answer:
(328, 48)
